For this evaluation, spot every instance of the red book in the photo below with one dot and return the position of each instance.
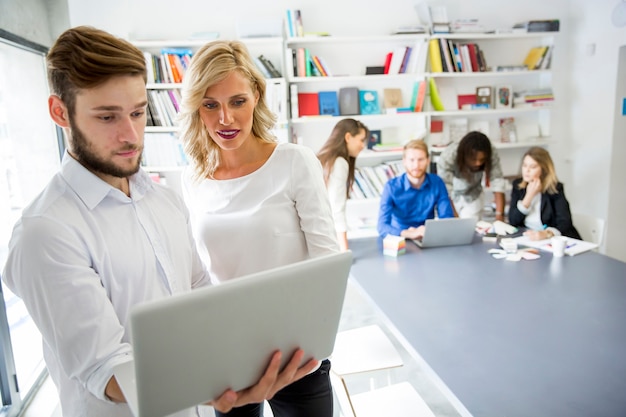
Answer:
(308, 104)
(473, 53)
(388, 62)
(466, 99)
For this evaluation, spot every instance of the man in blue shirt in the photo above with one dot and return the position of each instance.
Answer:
(408, 200)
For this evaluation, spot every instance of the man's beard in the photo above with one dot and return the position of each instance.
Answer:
(82, 151)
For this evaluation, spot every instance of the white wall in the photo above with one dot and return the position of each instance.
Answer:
(595, 151)
(31, 19)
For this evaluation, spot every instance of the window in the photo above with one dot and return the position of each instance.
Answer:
(30, 147)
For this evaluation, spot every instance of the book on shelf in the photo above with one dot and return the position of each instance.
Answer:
(374, 70)
(509, 68)
(276, 99)
(324, 65)
(293, 100)
(293, 22)
(465, 101)
(504, 97)
(397, 57)
(307, 63)
(319, 66)
(328, 103)
(271, 69)
(404, 68)
(467, 26)
(436, 137)
(147, 56)
(546, 61)
(418, 57)
(297, 16)
(349, 101)
(313, 70)
(388, 58)
(439, 18)
(534, 57)
(374, 139)
(435, 56)
(308, 104)
(473, 56)
(162, 149)
(418, 104)
(392, 98)
(301, 62)
(259, 64)
(548, 25)
(533, 98)
(484, 95)
(508, 131)
(290, 29)
(149, 118)
(446, 57)
(368, 102)
(466, 60)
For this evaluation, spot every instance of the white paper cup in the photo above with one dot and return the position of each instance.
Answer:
(558, 245)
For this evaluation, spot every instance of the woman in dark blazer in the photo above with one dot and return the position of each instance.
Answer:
(538, 201)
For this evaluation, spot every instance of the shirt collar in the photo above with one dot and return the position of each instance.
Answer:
(92, 190)
(407, 184)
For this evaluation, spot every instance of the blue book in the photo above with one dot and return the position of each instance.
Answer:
(368, 100)
(329, 103)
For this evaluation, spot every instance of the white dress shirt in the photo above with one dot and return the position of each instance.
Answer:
(277, 215)
(80, 257)
(337, 187)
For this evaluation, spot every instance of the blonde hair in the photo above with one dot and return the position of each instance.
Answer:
(211, 64)
(418, 144)
(548, 177)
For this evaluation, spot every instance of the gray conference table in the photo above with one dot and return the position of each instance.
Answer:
(530, 338)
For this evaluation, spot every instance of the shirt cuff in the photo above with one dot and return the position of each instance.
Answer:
(555, 231)
(98, 381)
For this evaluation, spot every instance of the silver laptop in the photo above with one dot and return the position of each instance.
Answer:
(447, 232)
(190, 348)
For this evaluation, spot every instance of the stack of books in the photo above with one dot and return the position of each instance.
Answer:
(539, 97)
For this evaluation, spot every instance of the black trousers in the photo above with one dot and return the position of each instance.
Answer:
(311, 396)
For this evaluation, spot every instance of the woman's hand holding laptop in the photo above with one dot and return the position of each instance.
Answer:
(272, 381)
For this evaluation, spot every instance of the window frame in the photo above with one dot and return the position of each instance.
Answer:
(12, 398)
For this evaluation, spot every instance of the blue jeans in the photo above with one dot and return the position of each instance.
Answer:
(311, 396)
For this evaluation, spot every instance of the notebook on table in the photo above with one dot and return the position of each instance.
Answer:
(190, 348)
(447, 232)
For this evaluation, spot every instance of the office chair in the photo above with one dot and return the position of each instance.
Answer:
(591, 228)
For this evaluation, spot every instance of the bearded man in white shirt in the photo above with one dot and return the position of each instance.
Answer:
(102, 237)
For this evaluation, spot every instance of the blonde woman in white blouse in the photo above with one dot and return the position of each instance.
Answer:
(255, 204)
(338, 156)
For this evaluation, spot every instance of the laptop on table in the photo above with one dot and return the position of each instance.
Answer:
(447, 232)
(190, 348)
